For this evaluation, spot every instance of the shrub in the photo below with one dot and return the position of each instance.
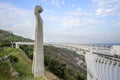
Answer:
(13, 59)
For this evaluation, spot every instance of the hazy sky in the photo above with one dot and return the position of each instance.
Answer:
(83, 21)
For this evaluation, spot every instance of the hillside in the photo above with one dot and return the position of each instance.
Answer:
(21, 66)
(6, 37)
(68, 60)
(61, 62)
(17, 66)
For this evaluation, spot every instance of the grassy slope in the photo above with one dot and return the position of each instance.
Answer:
(23, 67)
(5, 71)
(9, 36)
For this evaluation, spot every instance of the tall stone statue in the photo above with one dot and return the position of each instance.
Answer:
(38, 56)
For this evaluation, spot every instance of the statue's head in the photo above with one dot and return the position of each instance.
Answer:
(38, 9)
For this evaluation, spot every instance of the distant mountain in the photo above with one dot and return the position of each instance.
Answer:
(6, 37)
(105, 44)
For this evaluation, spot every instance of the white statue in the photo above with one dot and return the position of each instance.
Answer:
(38, 56)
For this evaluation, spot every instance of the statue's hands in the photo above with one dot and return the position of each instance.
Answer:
(38, 10)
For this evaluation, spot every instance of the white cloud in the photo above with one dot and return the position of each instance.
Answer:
(108, 7)
(78, 19)
(71, 22)
(74, 20)
(73, 5)
(80, 22)
(57, 3)
(44, 0)
(105, 2)
(78, 13)
(99, 11)
(81, 26)
(79, 9)
(75, 25)
(17, 20)
(63, 2)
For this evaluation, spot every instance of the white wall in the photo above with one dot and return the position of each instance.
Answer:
(101, 68)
